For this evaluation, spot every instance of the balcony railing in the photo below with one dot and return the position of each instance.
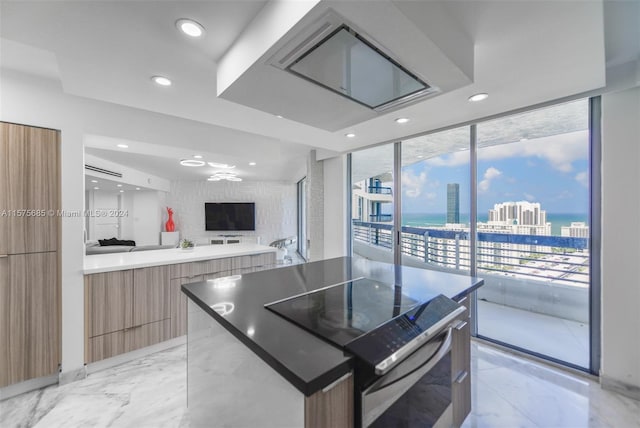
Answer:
(380, 190)
(380, 217)
(544, 258)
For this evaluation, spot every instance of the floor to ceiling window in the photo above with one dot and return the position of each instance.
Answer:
(435, 200)
(529, 237)
(372, 202)
(533, 231)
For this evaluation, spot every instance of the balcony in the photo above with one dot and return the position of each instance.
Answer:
(536, 292)
(379, 190)
(380, 217)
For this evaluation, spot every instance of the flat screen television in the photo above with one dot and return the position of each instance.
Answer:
(229, 216)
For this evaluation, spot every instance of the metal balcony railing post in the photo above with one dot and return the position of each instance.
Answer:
(457, 251)
(425, 243)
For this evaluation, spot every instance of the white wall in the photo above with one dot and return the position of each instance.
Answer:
(621, 241)
(335, 207)
(143, 223)
(315, 208)
(275, 207)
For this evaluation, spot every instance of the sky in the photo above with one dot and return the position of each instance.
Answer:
(550, 170)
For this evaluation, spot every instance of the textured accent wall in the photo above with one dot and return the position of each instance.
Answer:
(275, 207)
(315, 207)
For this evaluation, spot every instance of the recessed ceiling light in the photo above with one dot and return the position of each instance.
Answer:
(137, 188)
(119, 185)
(190, 27)
(420, 156)
(478, 97)
(402, 120)
(161, 80)
(224, 175)
(191, 162)
(122, 191)
(96, 188)
(122, 146)
(279, 116)
(350, 135)
(221, 165)
(252, 163)
(94, 181)
(197, 156)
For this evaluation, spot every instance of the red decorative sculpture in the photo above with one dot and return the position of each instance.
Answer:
(169, 226)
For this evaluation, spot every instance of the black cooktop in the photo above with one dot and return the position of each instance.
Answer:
(343, 312)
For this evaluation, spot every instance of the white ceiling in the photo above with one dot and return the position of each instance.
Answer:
(525, 52)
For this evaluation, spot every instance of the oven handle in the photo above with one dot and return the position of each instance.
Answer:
(388, 363)
(441, 352)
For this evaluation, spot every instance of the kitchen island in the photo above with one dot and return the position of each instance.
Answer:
(249, 366)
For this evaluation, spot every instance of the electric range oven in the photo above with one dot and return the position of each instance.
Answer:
(401, 344)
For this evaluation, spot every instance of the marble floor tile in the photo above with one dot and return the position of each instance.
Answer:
(507, 391)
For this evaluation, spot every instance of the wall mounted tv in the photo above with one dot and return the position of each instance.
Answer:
(225, 216)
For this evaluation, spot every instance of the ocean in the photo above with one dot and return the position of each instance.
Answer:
(439, 219)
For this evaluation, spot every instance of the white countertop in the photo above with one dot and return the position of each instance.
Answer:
(97, 263)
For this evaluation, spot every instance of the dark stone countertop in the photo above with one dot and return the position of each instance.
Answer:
(306, 361)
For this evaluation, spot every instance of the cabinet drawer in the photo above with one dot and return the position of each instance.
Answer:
(189, 270)
(210, 266)
(461, 370)
(108, 299)
(147, 335)
(105, 346)
(151, 295)
(253, 260)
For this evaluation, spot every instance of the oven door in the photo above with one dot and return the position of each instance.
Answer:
(416, 392)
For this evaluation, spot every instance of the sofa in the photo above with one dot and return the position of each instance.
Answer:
(94, 247)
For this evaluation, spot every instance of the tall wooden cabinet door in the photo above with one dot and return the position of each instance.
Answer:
(30, 329)
(5, 321)
(108, 302)
(151, 294)
(32, 180)
(7, 132)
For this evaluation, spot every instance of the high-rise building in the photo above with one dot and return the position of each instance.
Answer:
(576, 230)
(522, 213)
(453, 203)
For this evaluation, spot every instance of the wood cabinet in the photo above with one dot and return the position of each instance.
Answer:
(30, 189)
(151, 298)
(461, 370)
(108, 302)
(179, 305)
(29, 317)
(30, 334)
(130, 309)
(126, 310)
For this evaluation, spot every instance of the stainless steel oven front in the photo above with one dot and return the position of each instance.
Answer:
(411, 388)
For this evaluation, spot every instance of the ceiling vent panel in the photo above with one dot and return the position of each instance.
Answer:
(102, 171)
(341, 66)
